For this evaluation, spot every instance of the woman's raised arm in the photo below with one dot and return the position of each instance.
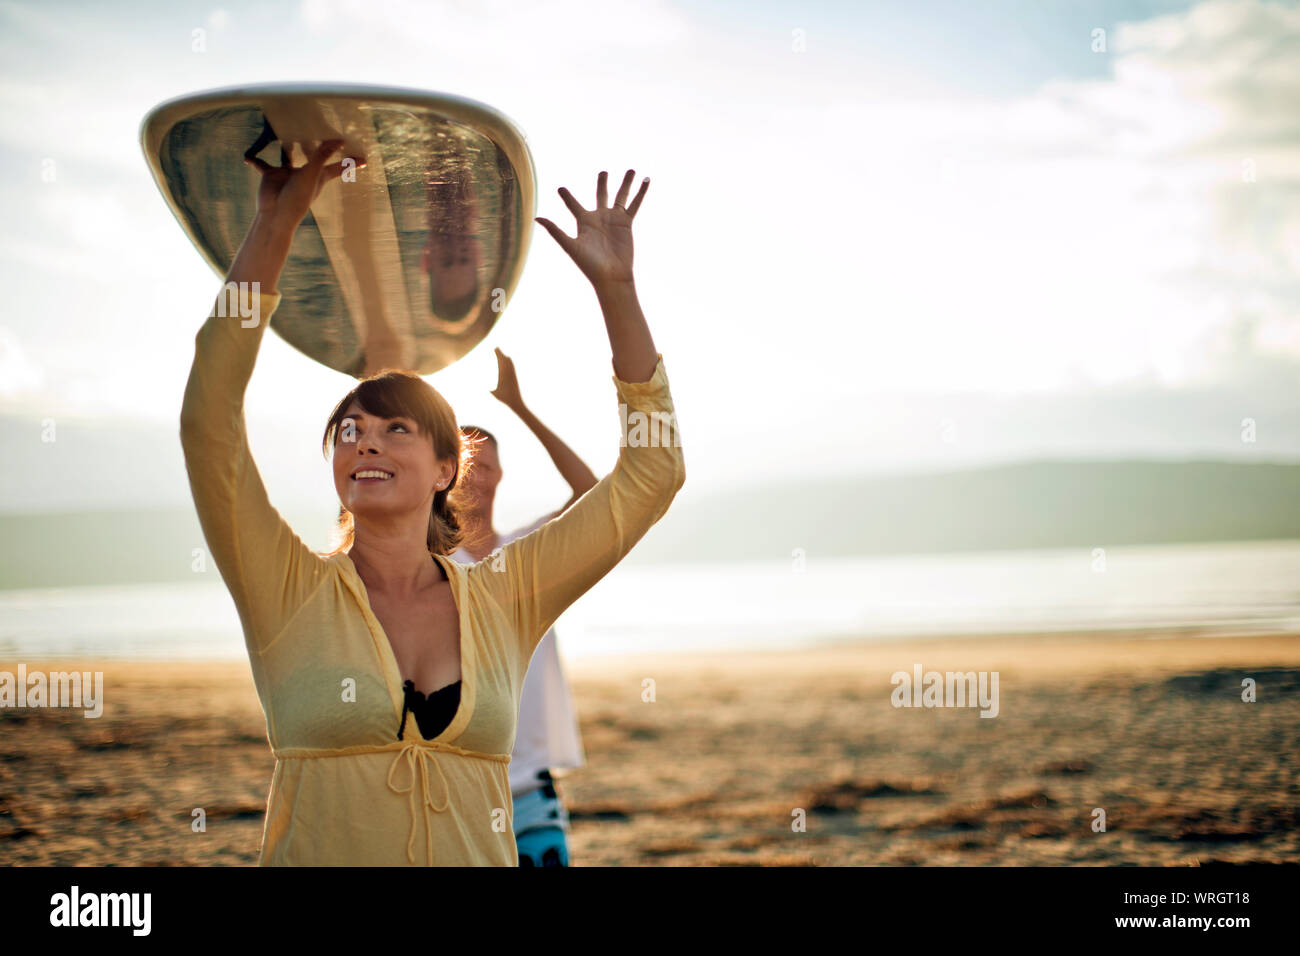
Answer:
(603, 251)
(269, 570)
(542, 573)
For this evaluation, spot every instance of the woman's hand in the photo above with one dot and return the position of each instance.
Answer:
(287, 192)
(507, 390)
(603, 247)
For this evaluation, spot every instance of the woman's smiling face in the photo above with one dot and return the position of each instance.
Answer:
(367, 447)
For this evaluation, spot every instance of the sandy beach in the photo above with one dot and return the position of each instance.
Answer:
(735, 749)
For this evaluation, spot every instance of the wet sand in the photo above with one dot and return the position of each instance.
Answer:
(735, 750)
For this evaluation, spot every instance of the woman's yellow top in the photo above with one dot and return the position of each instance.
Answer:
(345, 790)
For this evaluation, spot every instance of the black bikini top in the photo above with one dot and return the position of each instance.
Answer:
(433, 714)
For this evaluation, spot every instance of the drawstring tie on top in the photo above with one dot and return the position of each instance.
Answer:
(417, 755)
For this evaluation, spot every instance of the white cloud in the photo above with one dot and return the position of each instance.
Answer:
(531, 30)
(1097, 229)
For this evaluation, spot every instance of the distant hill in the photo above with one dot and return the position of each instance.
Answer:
(1043, 504)
(72, 548)
(1040, 504)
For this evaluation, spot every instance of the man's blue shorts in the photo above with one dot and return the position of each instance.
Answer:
(540, 820)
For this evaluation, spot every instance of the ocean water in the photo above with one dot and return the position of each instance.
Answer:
(1233, 588)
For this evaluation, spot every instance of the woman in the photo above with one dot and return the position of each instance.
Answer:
(547, 738)
(334, 639)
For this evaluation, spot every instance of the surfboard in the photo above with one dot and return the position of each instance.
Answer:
(409, 264)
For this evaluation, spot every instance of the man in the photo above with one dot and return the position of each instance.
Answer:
(547, 738)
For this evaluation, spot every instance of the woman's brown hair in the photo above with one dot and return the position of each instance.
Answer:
(393, 393)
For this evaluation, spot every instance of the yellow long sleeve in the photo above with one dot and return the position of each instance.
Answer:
(269, 570)
(545, 571)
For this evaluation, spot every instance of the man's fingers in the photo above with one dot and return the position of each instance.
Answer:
(602, 194)
(636, 202)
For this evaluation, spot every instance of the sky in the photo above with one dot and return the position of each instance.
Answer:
(878, 237)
